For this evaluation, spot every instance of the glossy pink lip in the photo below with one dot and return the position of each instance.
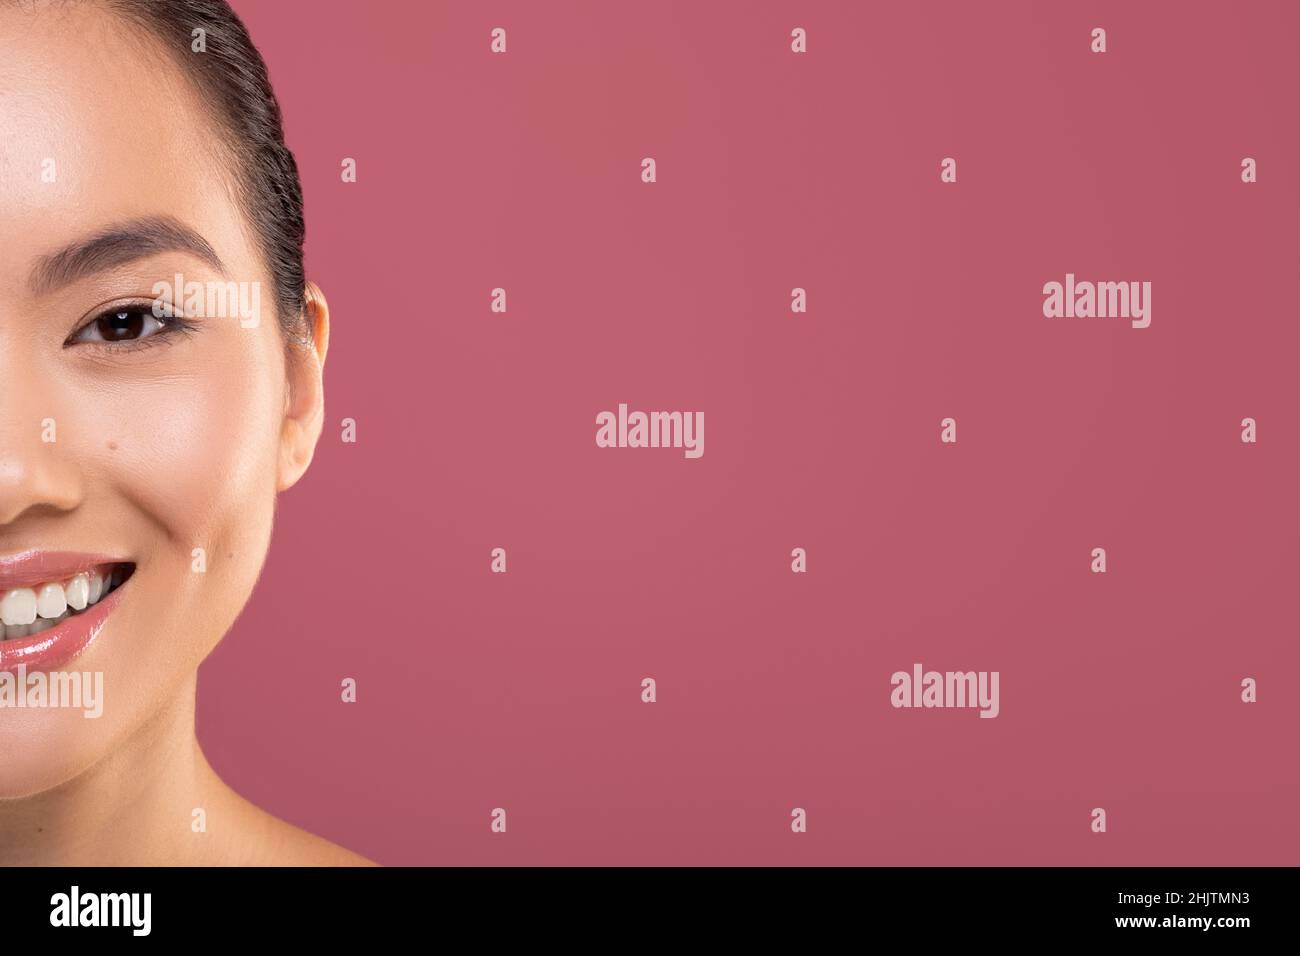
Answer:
(53, 648)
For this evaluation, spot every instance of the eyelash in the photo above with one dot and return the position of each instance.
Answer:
(167, 326)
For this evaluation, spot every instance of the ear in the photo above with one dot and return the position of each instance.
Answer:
(304, 413)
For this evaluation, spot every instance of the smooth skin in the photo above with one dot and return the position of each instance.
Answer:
(166, 441)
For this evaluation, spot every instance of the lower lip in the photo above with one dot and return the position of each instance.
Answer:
(53, 648)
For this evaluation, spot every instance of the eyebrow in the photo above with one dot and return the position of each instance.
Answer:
(119, 245)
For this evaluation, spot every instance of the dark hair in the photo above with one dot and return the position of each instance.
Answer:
(232, 77)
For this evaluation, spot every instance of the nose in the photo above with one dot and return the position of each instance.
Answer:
(37, 473)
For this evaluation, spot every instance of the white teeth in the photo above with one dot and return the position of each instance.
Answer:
(28, 611)
(51, 601)
(17, 608)
(77, 592)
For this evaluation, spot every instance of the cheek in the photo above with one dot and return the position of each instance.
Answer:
(192, 456)
(203, 445)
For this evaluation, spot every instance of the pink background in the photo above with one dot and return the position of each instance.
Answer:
(476, 430)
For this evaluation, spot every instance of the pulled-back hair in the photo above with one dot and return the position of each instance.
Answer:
(231, 77)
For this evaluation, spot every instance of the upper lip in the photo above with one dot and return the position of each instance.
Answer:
(30, 568)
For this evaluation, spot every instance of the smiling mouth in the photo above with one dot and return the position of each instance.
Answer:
(30, 611)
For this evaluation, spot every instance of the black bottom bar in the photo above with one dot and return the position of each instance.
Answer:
(605, 906)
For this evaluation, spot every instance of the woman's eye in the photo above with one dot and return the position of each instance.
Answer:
(124, 324)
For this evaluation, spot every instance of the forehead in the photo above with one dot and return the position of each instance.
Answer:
(98, 124)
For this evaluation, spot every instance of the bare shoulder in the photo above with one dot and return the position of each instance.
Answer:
(296, 847)
(272, 841)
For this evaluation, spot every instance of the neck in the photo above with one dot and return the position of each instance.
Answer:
(134, 807)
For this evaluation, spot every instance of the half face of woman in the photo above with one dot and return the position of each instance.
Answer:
(133, 448)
